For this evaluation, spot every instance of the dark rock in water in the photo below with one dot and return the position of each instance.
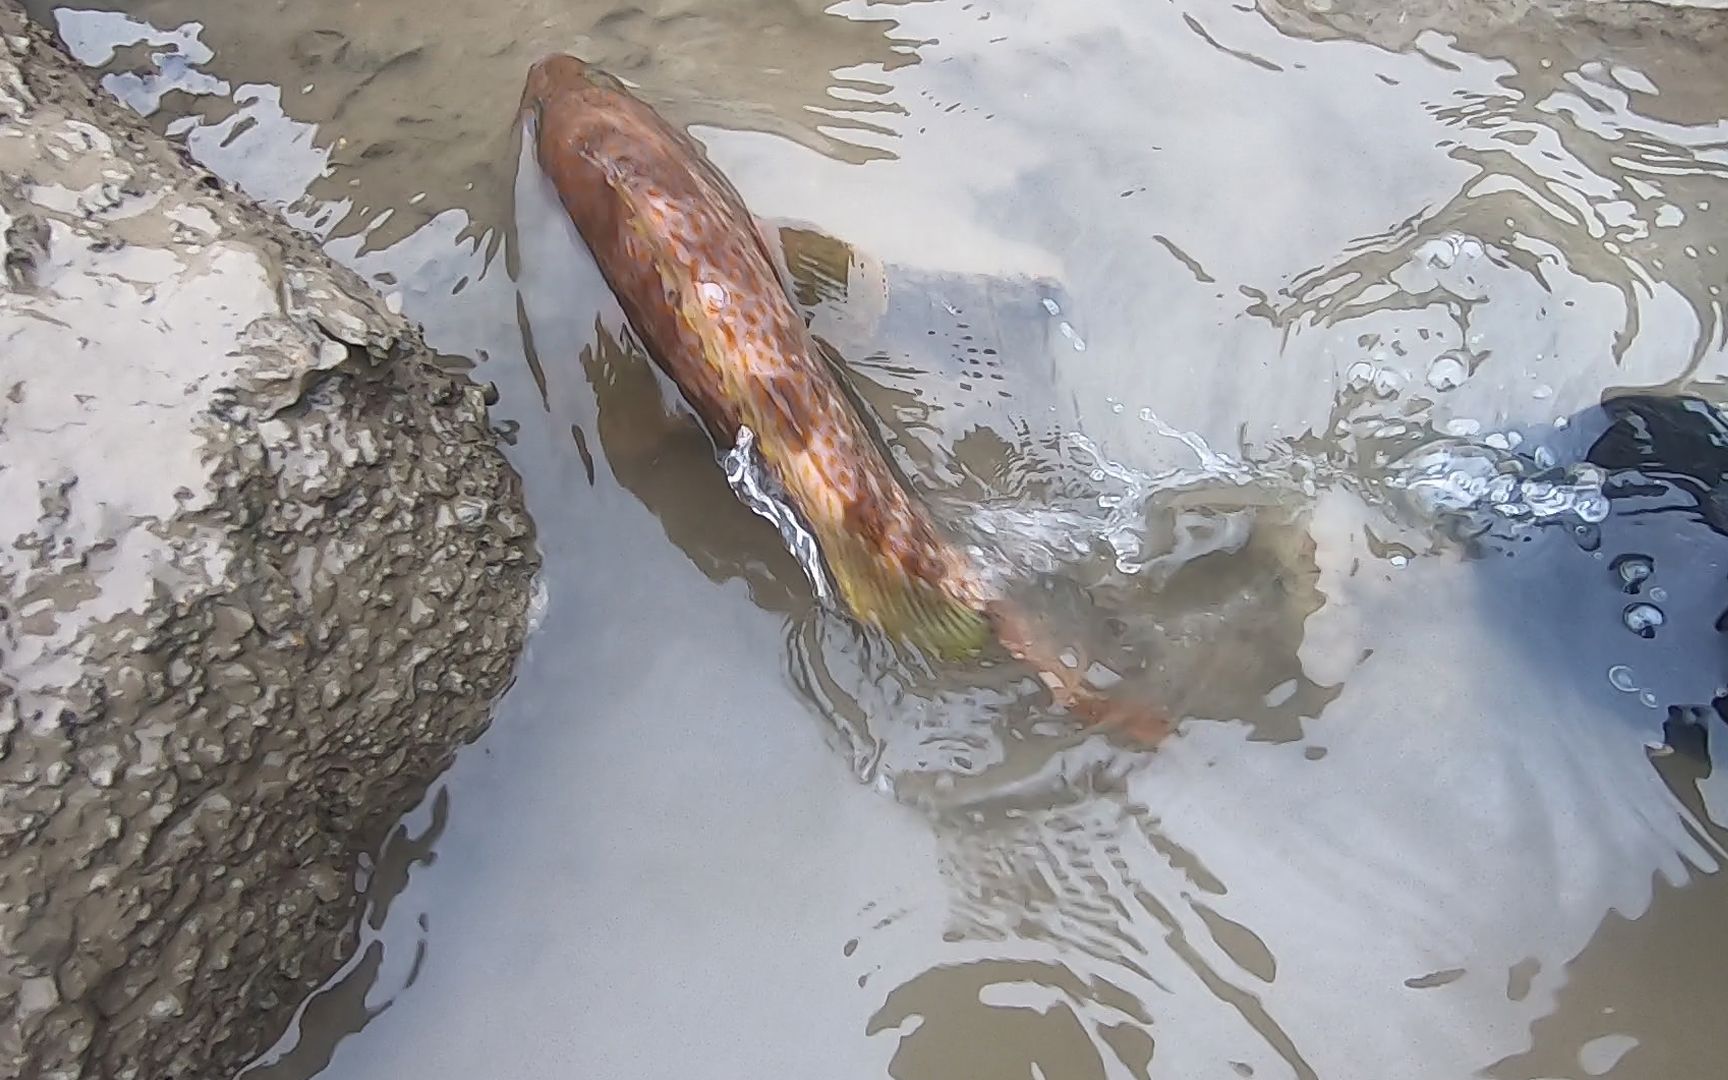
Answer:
(1667, 462)
(1676, 444)
(263, 570)
(1646, 598)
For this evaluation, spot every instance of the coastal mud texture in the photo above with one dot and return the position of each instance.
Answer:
(1493, 26)
(262, 570)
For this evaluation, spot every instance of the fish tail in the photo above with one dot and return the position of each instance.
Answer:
(880, 589)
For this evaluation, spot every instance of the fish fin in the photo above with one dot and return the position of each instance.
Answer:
(842, 290)
(774, 248)
(879, 589)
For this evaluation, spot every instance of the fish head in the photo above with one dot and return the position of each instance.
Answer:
(561, 75)
(552, 75)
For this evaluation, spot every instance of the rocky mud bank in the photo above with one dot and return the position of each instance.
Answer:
(262, 570)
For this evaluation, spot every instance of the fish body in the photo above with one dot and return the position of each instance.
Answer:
(704, 290)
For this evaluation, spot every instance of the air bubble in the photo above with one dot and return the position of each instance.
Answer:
(1658, 595)
(1632, 570)
(1452, 477)
(1360, 375)
(1447, 372)
(1643, 619)
(1388, 382)
(1592, 507)
(1648, 698)
(1620, 677)
(1441, 252)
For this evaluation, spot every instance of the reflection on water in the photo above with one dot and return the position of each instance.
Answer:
(413, 108)
(1264, 347)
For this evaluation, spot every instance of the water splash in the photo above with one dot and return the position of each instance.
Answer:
(1097, 546)
(1114, 509)
(1148, 524)
(1458, 477)
(757, 489)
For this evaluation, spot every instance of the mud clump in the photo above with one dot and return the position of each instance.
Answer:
(262, 570)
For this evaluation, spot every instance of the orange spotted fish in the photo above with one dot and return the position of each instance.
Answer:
(704, 290)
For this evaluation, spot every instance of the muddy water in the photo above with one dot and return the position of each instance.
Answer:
(1176, 307)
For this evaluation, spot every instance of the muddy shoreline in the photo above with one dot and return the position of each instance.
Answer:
(265, 570)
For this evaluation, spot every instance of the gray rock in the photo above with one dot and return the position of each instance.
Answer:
(262, 570)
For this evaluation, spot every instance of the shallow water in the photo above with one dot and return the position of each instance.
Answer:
(1255, 294)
